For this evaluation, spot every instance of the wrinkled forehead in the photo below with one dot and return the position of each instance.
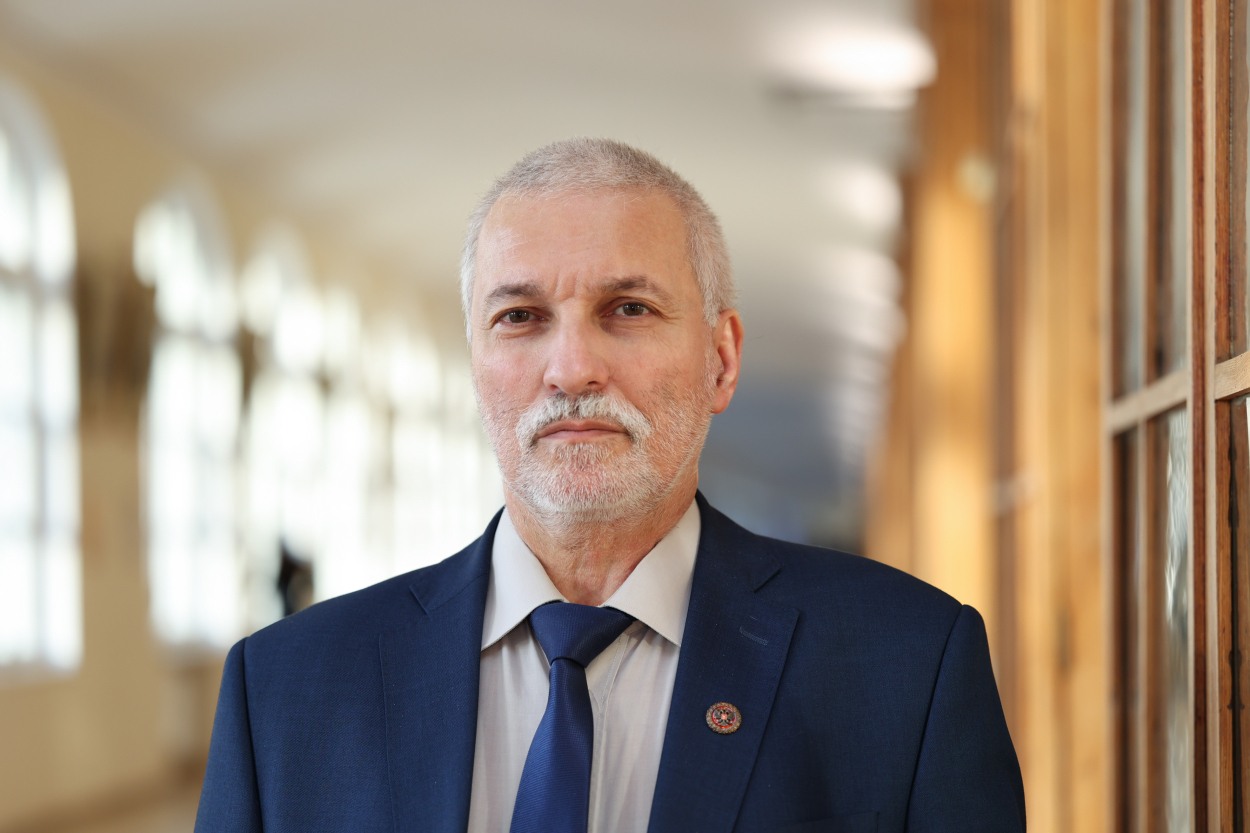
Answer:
(639, 223)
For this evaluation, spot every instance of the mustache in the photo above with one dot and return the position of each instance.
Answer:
(598, 406)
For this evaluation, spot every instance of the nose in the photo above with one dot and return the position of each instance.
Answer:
(577, 361)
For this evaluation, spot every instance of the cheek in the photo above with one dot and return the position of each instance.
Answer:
(661, 373)
(656, 389)
(507, 374)
(681, 369)
(492, 393)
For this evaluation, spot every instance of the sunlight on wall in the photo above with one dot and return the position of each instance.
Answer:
(40, 567)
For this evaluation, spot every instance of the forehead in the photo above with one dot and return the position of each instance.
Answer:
(583, 234)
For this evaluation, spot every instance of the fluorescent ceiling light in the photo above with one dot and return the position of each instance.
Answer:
(859, 58)
(868, 194)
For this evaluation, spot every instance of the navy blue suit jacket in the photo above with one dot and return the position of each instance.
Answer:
(867, 699)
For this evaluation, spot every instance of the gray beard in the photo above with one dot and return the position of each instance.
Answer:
(581, 485)
(585, 483)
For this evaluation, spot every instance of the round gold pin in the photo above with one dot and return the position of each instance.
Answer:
(724, 718)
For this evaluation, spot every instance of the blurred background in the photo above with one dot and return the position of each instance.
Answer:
(992, 268)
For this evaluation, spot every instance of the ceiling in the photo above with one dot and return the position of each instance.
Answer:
(384, 120)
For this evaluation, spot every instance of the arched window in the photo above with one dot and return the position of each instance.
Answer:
(365, 456)
(191, 421)
(286, 427)
(40, 569)
(446, 484)
(357, 537)
(410, 378)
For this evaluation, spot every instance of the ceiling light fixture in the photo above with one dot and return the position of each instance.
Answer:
(866, 193)
(875, 64)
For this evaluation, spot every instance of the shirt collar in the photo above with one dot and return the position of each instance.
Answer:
(657, 592)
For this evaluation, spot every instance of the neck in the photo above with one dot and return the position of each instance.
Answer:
(588, 562)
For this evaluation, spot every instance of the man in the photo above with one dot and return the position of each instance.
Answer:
(613, 654)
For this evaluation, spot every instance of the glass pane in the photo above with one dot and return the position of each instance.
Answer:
(17, 328)
(19, 573)
(1238, 217)
(1171, 237)
(1133, 73)
(54, 251)
(15, 225)
(1169, 625)
(58, 364)
(19, 441)
(1239, 601)
(62, 601)
(1152, 192)
(1129, 578)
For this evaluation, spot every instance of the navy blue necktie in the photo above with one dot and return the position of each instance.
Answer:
(554, 796)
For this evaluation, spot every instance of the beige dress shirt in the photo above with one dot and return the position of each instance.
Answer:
(631, 682)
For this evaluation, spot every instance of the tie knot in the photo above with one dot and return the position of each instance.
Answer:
(577, 632)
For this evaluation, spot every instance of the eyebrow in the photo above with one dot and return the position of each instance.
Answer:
(510, 291)
(636, 282)
(529, 289)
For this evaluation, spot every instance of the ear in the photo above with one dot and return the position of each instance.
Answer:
(727, 338)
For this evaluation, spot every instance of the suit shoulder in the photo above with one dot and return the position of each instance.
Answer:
(864, 574)
(812, 578)
(365, 614)
(824, 581)
(360, 614)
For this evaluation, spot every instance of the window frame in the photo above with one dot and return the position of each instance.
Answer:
(1137, 410)
(1212, 388)
(189, 198)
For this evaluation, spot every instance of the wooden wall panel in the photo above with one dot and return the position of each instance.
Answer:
(933, 482)
(1050, 240)
(992, 460)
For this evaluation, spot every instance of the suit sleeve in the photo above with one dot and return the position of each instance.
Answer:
(230, 800)
(967, 776)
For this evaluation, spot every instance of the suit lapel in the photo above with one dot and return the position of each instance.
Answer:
(430, 675)
(733, 650)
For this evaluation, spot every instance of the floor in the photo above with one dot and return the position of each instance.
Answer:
(173, 815)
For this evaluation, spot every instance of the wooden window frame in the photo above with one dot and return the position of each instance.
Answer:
(1216, 375)
(1137, 410)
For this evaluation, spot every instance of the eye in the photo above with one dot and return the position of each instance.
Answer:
(518, 316)
(632, 309)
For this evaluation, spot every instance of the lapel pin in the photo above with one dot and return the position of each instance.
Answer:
(724, 718)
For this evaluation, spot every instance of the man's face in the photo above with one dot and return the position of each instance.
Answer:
(596, 374)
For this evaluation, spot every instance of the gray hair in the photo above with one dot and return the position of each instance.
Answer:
(588, 165)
